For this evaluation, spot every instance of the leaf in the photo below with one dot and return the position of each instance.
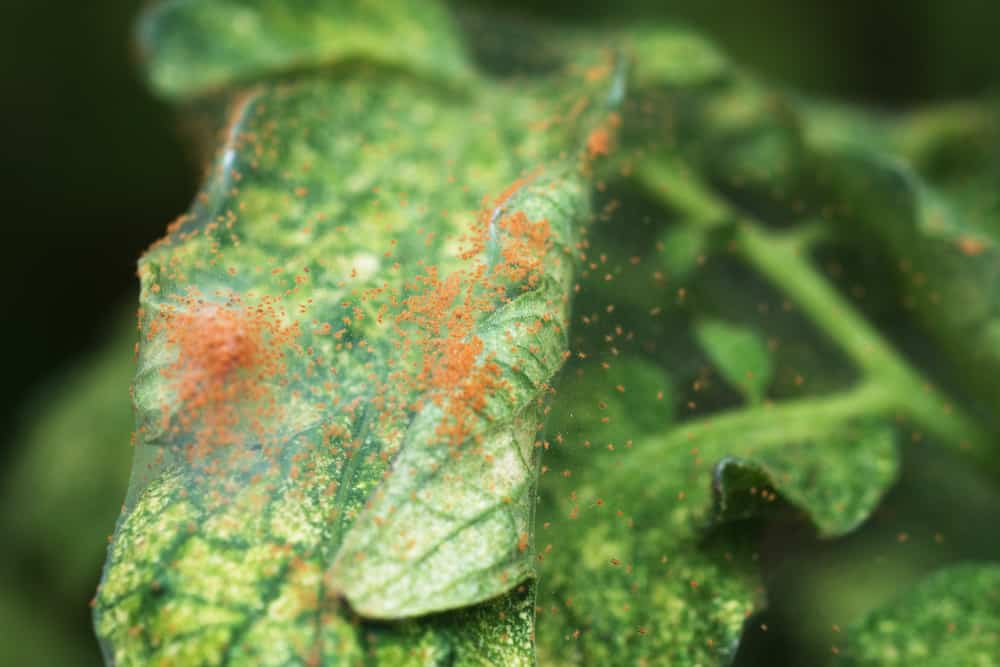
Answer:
(740, 355)
(349, 342)
(446, 531)
(635, 567)
(919, 187)
(63, 491)
(647, 556)
(195, 591)
(596, 404)
(951, 618)
(346, 347)
(498, 632)
(194, 48)
(675, 57)
(833, 494)
(684, 247)
(754, 168)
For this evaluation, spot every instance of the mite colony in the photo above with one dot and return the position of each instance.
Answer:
(231, 355)
(228, 355)
(240, 357)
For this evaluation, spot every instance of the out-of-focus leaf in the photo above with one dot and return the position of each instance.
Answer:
(955, 148)
(596, 404)
(675, 57)
(196, 47)
(346, 346)
(921, 188)
(643, 559)
(741, 140)
(952, 618)
(631, 569)
(62, 495)
(835, 495)
(739, 354)
(683, 248)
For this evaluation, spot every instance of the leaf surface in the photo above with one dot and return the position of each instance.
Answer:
(951, 618)
(740, 355)
(192, 48)
(346, 347)
(638, 564)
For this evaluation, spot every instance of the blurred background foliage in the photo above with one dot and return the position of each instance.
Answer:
(93, 167)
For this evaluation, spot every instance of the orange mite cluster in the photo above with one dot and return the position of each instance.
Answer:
(231, 355)
(526, 247)
(228, 357)
(446, 311)
(601, 139)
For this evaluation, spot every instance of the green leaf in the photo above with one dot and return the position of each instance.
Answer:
(952, 618)
(740, 355)
(675, 58)
(184, 584)
(197, 47)
(346, 347)
(348, 344)
(920, 188)
(738, 154)
(498, 632)
(635, 566)
(684, 248)
(61, 495)
(836, 495)
(596, 404)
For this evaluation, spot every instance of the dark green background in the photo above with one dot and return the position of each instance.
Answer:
(93, 168)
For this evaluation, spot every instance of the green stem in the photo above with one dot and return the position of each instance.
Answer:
(782, 258)
(749, 428)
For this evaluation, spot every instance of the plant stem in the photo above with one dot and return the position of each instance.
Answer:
(782, 258)
(748, 428)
